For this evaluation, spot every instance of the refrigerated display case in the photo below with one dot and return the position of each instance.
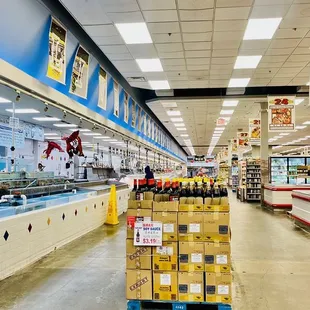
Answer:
(293, 170)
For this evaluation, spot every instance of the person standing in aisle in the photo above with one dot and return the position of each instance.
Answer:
(148, 173)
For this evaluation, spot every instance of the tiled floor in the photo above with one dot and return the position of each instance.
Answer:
(271, 260)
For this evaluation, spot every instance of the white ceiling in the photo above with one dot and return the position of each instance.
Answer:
(198, 40)
(200, 116)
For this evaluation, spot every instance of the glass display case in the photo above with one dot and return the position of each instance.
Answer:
(293, 170)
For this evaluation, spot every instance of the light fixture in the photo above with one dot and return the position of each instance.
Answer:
(242, 82)
(46, 119)
(150, 65)
(174, 113)
(247, 62)
(184, 135)
(53, 134)
(81, 130)
(92, 134)
(284, 134)
(227, 112)
(103, 137)
(230, 103)
(278, 137)
(261, 28)
(181, 128)
(300, 127)
(53, 138)
(179, 124)
(169, 104)
(219, 129)
(134, 33)
(298, 101)
(160, 84)
(23, 111)
(112, 140)
(65, 125)
(4, 100)
(177, 119)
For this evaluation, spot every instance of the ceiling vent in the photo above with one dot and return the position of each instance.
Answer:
(165, 93)
(235, 91)
(136, 79)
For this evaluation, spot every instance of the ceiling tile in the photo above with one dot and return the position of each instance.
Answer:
(101, 30)
(204, 26)
(174, 68)
(165, 28)
(190, 15)
(279, 51)
(224, 53)
(245, 73)
(301, 22)
(235, 3)
(267, 2)
(228, 35)
(197, 37)
(296, 64)
(284, 43)
(255, 44)
(176, 74)
(232, 25)
(199, 84)
(293, 71)
(298, 58)
(169, 47)
(270, 64)
(270, 11)
(226, 44)
(115, 6)
(197, 67)
(259, 82)
(252, 52)
(232, 13)
(299, 11)
(173, 62)
(197, 61)
(142, 50)
(166, 38)
(305, 43)
(290, 33)
(145, 85)
(195, 4)
(128, 17)
(171, 54)
(222, 67)
(274, 58)
(118, 49)
(126, 65)
(178, 84)
(197, 46)
(302, 51)
(194, 54)
(113, 40)
(157, 5)
(115, 56)
(160, 16)
(223, 60)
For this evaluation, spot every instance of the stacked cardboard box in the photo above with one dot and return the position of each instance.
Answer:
(193, 264)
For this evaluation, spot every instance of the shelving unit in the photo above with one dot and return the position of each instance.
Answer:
(253, 180)
(234, 178)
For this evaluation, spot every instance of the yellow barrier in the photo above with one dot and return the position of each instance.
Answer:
(112, 215)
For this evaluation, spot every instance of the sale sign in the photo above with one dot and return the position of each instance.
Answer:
(243, 140)
(281, 113)
(148, 234)
(254, 131)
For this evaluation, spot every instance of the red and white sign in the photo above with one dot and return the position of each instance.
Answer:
(220, 122)
(148, 234)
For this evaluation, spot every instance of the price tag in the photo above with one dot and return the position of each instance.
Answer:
(148, 234)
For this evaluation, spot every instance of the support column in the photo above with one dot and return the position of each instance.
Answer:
(255, 151)
(264, 148)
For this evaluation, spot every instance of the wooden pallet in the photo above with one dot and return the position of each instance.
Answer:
(175, 305)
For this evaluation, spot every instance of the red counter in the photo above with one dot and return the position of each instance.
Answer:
(301, 206)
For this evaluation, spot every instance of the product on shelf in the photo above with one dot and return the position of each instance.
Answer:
(253, 180)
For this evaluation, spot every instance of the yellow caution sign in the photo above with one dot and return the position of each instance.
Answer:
(112, 215)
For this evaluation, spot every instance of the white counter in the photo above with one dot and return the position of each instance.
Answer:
(280, 196)
(301, 206)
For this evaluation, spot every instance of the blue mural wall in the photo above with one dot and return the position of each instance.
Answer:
(24, 41)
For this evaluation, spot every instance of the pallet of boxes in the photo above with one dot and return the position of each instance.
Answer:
(193, 262)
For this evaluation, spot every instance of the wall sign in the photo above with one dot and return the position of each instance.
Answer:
(126, 108)
(6, 136)
(103, 84)
(243, 140)
(254, 131)
(116, 98)
(148, 234)
(281, 113)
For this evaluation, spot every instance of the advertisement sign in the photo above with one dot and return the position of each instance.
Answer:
(126, 108)
(243, 140)
(6, 136)
(281, 113)
(116, 98)
(56, 67)
(139, 118)
(133, 113)
(33, 132)
(148, 234)
(234, 148)
(103, 84)
(79, 76)
(254, 131)
(220, 122)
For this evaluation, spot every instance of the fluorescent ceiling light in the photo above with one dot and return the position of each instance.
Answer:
(239, 82)
(4, 100)
(227, 112)
(179, 124)
(185, 135)
(230, 103)
(298, 101)
(23, 111)
(169, 104)
(219, 128)
(174, 113)
(46, 119)
(300, 127)
(308, 84)
(150, 65)
(177, 119)
(247, 62)
(284, 134)
(53, 138)
(50, 134)
(278, 137)
(80, 130)
(85, 142)
(112, 140)
(181, 129)
(92, 134)
(65, 125)
(161, 84)
(261, 28)
(103, 138)
(134, 33)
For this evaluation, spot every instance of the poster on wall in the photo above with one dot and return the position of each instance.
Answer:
(79, 77)
(139, 118)
(116, 98)
(145, 124)
(126, 108)
(281, 113)
(6, 136)
(254, 131)
(243, 140)
(56, 67)
(33, 132)
(149, 128)
(103, 84)
(133, 113)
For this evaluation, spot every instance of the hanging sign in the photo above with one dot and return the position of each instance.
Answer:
(56, 67)
(243, 140)
(234, 147)
(220, 122)
(281, 113)
(126, 108)
(79, 76)
(6, 136)
(148, 234)
(254, 131)
(103, 82)
(133, 114)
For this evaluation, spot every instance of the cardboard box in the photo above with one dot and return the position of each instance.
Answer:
(216, 226)
(170, 224)
(165, 206)
(140, 204)
(191, 286)
(165, 285)
(136, 215)
(165, 257)
(146, 196)
(138, 257)
(218, 287)
(188, 204)
(216, 204)
(191, 256)
(139, 284)
(217, 257)
(190, 226)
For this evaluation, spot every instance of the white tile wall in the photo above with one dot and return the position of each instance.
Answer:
(23, 247)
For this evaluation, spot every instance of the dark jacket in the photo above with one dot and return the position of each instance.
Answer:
(148, 173)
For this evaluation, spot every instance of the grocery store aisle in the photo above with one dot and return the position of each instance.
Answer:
(270, 258)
